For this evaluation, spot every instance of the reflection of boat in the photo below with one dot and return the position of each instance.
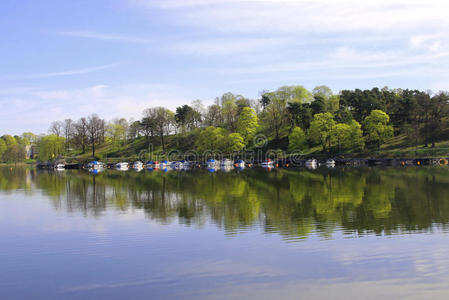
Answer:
(122, 166)
(330, 163)
(311, 163)
(268, 163)
(96, 171)
(96, 165)
(166, 168)
(226, 168)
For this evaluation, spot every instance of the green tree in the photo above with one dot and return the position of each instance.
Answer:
(376, 127)
(320, 129)
(296, 139)
(9, 140)
(211, 139)
(14, 153)
(341, 136)
(50, 147)
(275, 115)
(234, 142)
(3, 148)
(356, 138)
(163, 119)
(247, 124)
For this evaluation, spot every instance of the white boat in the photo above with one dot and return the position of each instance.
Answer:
(225, 162)
(311, 163)
(60, 167)
(138, 165)
(96, 165)
(122, 166)
(267, 163)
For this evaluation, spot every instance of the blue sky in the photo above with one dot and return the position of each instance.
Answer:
(67, 59)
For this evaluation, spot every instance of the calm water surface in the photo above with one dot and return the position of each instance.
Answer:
(285, 234)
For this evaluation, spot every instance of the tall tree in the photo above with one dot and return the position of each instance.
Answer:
(377, 128)
(68, 132)
(247, 124)
(56, 128)
(164, 119)
(81, 134)
(320, 129)
(296, 139)
(95, 131)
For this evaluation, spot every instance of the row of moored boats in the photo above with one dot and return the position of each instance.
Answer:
(211, 164)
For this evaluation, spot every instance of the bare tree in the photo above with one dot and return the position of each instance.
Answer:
(81, 134)
(95, 131)
(56, 128)
(68, 132)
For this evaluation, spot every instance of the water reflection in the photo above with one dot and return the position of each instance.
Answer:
(289, 202)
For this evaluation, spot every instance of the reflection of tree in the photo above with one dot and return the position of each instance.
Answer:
(291, 203)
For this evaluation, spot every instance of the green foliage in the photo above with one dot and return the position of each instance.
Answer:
(211, 139)
(296, 139)
(50, 147)
(320, 129)
(341, 136)
(234, 142)
(356, 138)
(3, 148)
(247, 124)
(376, 127)
(9, 140)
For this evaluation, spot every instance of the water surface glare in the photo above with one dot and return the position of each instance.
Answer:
(286, 234)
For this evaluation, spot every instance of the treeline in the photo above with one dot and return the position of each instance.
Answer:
(13, 149)
(291, 118)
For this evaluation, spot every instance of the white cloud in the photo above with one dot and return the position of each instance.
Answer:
(105, 36)
(25, 111)
(287, 16)
(62, 73)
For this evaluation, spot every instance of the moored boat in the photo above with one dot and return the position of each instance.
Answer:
(122, 166)
(311, 163)
(267, 163)
(226, 162)
(239, 164)
(137, 165)
(95, 165)
(330, 163)
(60, 167)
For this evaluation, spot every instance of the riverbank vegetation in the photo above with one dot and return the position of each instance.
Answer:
(291, 119)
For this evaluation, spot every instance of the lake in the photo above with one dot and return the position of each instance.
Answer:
(341, 233)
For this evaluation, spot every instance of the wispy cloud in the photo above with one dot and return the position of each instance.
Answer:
(62, 73)
(306, 16)
(105, 36)
(227, 46)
